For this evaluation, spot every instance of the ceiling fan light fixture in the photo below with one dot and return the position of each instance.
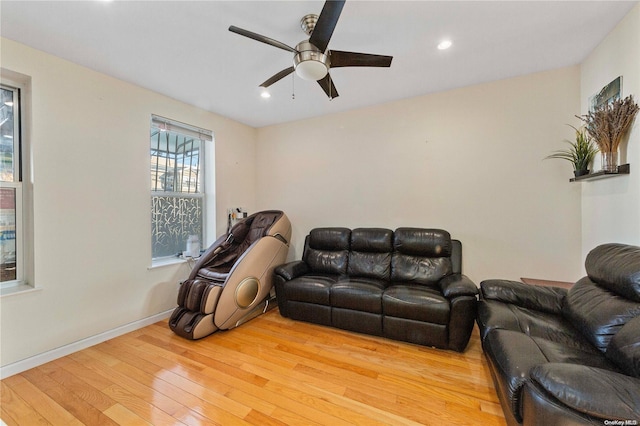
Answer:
(444, 44)
(310, 63)
(311, 70)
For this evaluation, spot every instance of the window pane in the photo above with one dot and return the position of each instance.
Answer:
(177, 190)
(175, 162)
(173, 219)
(7, 135)
(7, 234)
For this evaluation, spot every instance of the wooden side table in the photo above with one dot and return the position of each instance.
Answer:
(547, 283)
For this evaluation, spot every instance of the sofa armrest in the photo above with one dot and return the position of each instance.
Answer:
(546, 299)
(456, 285)
(291, 270)
(592, 391)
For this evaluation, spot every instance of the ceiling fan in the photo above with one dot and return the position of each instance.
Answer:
(312, 60)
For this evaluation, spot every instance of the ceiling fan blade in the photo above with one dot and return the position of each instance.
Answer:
(326, 24)
(353, 59)
(327, 85)
(278, 76)
(261, 38)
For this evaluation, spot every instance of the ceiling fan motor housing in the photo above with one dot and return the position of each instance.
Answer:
(310, 63)
(308, 23)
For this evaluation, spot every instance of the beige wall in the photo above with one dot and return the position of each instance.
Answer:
(467, 160)
(611, 207)
(90, 153)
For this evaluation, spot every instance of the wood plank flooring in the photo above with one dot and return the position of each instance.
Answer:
(270, 371)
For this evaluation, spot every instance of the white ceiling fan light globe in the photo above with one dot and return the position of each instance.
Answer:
(310, 63)
(311, 70)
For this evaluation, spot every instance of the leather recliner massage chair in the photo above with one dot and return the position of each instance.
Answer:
(232, 281)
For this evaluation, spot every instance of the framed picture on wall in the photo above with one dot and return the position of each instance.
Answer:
(608, 94)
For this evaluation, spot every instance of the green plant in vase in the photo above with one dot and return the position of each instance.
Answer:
(580, 153)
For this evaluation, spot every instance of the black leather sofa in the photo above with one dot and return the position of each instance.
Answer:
(405, 285)
(571, 357)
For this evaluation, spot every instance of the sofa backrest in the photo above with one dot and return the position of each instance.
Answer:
(421, 256)
(624, 348)
(370, 255)
(616, 267)
(414, 255)
(603, 302)
(327, 250)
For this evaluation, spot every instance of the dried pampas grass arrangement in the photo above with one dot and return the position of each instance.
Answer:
(608, 124)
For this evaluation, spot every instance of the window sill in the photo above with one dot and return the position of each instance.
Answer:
(161, 263)
(18, 289)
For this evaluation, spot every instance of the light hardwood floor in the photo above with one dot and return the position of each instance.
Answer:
(270, 371)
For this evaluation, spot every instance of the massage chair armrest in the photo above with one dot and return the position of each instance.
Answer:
(592, 391)
(292, 270)
(546, 299)
(206, 257)
(456, 285)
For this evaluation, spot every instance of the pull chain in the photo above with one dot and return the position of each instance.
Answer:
(293, 87)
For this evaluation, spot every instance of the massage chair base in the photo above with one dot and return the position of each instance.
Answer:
(196, 325)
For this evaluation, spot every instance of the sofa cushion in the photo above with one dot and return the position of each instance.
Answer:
(371, 253)
(415, 302)
(359, 294)
(310, 289)
(593, 391)
(558, 352)
(617, 268)
(624, 348)
(422, 242)
(512, 354)
(327, 250)
(597, 312)
(372, 240)
(419, 270)
(421, 256)
(330, 239)
(497, 315)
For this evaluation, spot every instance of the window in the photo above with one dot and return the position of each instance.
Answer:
(177, 185)
(11, 231)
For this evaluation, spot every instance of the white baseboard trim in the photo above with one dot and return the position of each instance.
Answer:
(36, 360)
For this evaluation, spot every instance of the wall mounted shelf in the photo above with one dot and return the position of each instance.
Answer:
(623, 169)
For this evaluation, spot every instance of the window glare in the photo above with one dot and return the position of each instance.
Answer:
(7, 135)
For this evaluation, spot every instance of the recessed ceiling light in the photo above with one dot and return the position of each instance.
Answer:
(265, 94)
(444, 44)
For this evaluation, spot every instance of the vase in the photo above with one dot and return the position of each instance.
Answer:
(610, 161)
(582, 172)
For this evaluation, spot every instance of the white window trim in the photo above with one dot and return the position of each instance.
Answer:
(24, 247)
(204, 136)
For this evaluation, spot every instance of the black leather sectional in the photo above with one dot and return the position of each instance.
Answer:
(571, 357)
(405, 285)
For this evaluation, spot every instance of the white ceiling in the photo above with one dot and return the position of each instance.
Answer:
(183, 49)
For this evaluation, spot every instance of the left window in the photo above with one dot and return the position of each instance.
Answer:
(177, 169)
(12, 268)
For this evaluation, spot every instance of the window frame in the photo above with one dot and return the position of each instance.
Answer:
(17, 185)
(186, 130)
